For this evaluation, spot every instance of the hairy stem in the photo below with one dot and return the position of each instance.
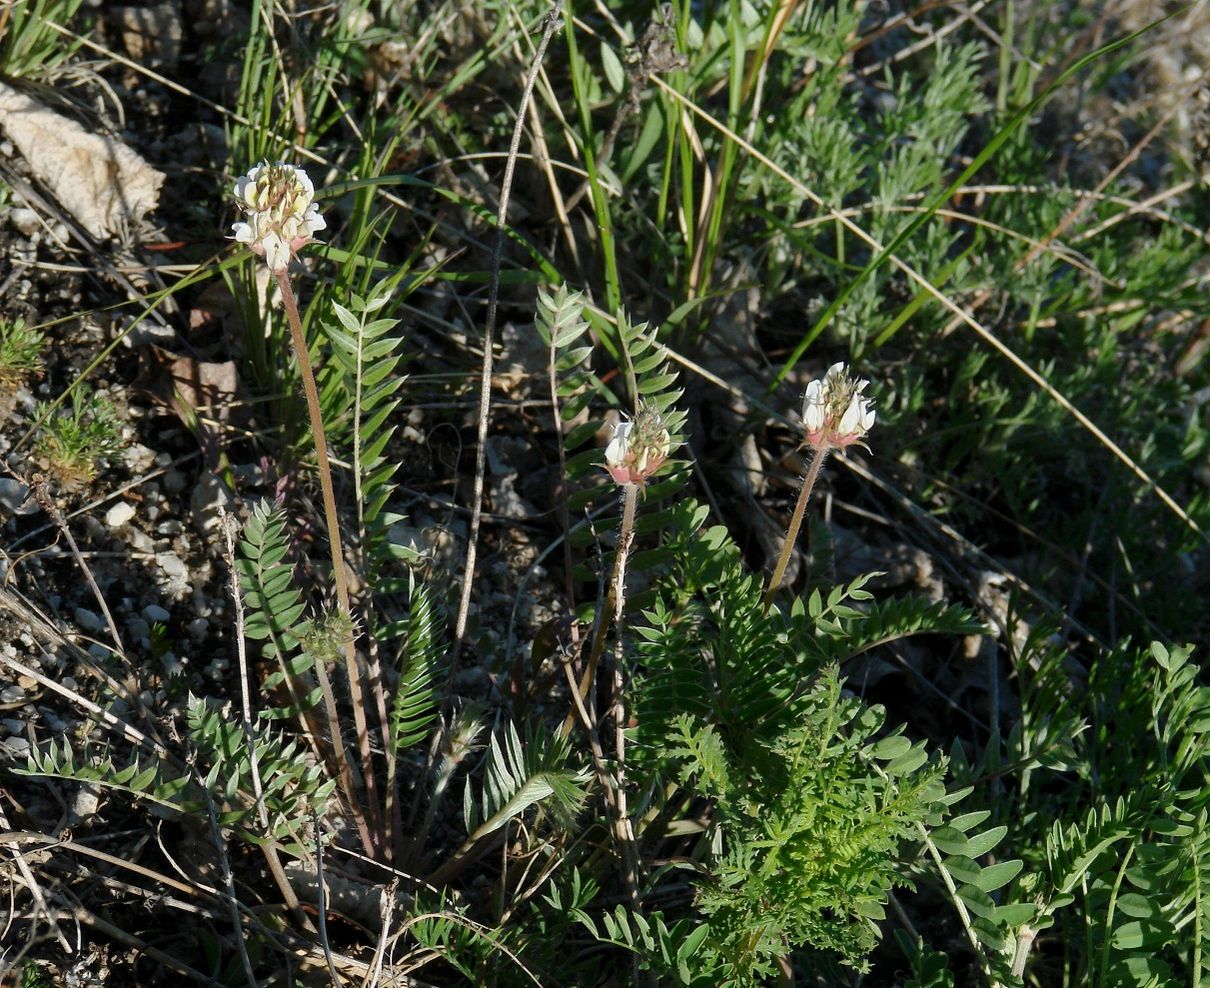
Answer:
(372, 833)
(787, 547)
(615, 596)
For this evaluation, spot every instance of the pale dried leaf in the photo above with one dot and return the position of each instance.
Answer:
(99, 180)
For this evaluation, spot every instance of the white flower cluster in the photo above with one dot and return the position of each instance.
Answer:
(280, 213)
(834, 412)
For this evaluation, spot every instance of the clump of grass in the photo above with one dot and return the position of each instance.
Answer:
(21, 349)
(73, 441)
(20, 358)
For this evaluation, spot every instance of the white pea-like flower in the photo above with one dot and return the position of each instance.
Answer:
(834, 412)
(638, 448)
(280, 214)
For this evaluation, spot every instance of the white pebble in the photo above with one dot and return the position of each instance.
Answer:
(119, 514)
(12, 694)
(140, 541)
(172, 566)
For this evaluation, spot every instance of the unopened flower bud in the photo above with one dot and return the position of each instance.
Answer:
(638, 448)
(280, 213)
(834, 413)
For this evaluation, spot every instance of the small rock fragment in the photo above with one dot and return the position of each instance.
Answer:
(12, 694)
(13, 496)
(119, 514)
(154, 612)
(172, 566)
(89, 621)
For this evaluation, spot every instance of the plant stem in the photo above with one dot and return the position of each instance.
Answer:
(614, 599)
(370, 836)
(804, 495)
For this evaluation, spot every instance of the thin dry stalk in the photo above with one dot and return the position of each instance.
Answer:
(232, 902)
(614, 599)
(371, 830)
(41, 493)
(35, 890)
(322, 905)
(489, 331)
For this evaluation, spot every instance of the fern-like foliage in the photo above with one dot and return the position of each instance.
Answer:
(518, 776)
(367, 355)
(843, 630)
(673, 953)
(562, 325)
(811, 837)
(812, 799)
(416, 703)
(140, 776)
(274, 608)
(292, 788)
(1108, 823)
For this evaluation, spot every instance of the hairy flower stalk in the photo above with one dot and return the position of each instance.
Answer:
(637, 450)
(835, 415)
(280, 218)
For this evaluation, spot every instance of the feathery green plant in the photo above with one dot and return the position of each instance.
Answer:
(72, 442)
(517, 776)
(415, 705)
(293, 789)
(275, 609)
(21, 349)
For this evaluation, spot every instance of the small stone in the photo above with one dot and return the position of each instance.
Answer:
(12, 725)
(172, 565)
(13, 495)
(119, 514)
(140, 541)
(25, 220)
(84, 804)
(199, 627)
(18, 746)
(89, 621)
(139, 458)
(174, 481)
(102, 652)
(12, 694)
(154, 612)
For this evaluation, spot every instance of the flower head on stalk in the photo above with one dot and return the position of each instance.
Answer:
(280, 213)
(638, 448)
(834, 413)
